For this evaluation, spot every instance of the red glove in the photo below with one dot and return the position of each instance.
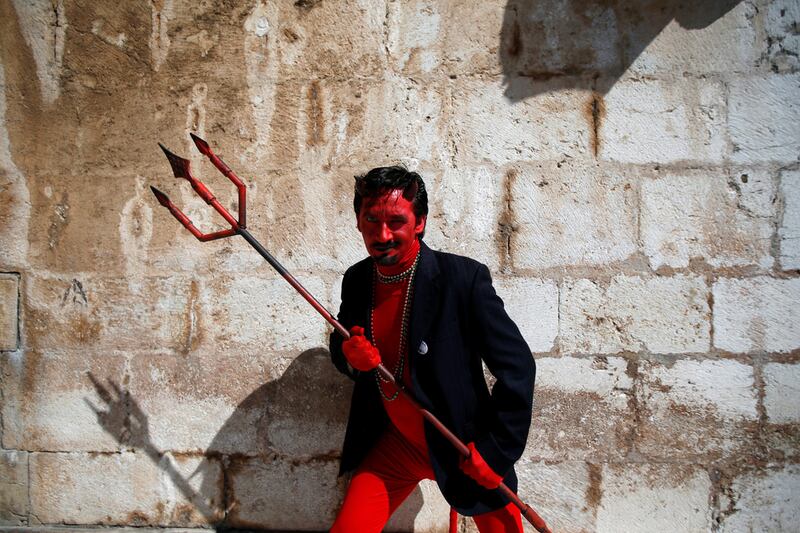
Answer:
(360, 353)
(475, 467)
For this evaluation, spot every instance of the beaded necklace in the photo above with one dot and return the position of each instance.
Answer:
(401, 355)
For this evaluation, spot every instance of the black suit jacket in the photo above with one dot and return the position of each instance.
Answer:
(461, 320)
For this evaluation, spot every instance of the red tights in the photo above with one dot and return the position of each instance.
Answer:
(387, 476)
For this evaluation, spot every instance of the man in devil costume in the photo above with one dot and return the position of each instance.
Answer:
(432, 319)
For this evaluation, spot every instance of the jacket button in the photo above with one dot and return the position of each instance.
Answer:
(423, 348)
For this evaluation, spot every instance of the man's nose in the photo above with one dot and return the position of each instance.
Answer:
(384, 233)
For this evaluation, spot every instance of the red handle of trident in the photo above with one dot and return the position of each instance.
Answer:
(181, 169)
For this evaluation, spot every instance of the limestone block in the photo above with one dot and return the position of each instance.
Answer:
(765, 501)
(782, 19)
(465, 206)
(756, 314)
(13, 488)
(181, 404)
(781, 391)
(663, 122)
(9, 312)
(581, 409)
(125, 489)
(264, 313)
(727, 44)
(789, 232)
(764, 119)
(533, 305)
(565, 494)
(50, 397)
(564, 214)
(425, 509)
(83, 312)
(487, 127)
(657, 315)
(279, 494)
(654, 497)
(696, 409)
(686, 216)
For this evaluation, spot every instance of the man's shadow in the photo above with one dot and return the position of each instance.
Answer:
(587, 44)
(299, 421)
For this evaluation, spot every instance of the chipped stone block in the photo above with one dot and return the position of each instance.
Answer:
(565, 494)
(275, 493)
(487, 127)
(756, 314)
(663, 122)
(425, 509)
(781, 392)
(9, 312)
(13, 488)
(81, 313)
(764, 501)
(265, 312)
(696, 409)
(658, 315)
(582, 409)
(782, 20)
(789, 232)
(725, 42)
(125, 489)
(465, 206)
(654, 497)
(565, 214)
(183, 404)
(764, 119)
(684, 217)
(533, 305)
(50, 397)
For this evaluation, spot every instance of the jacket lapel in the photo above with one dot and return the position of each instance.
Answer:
(425, 305)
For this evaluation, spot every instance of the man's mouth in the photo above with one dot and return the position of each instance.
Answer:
(384, 247)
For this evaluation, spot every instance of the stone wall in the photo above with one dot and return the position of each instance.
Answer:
(628, 171)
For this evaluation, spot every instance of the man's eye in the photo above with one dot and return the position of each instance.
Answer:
(371, 219)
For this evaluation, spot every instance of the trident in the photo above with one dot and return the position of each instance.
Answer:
(180, 167)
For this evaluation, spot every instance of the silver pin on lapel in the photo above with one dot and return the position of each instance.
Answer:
(423, 348)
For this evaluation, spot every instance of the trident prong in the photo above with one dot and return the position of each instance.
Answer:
(181, 169)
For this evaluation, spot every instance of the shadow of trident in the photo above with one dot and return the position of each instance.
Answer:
(181, 169)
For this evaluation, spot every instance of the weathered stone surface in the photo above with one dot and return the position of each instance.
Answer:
(696, 409)
(781, 391)
(275, 493)
(582, 409)
(782, 19)
(464, 208)
(687, 216)
(425, 510)
(239, 404)
(764, 119)
(756, 314)
(654, 497)
(658, 315)
(9, 312)
(487, 127)
(533, 305)
(565, 214)
(765, 501)
(789, 232)
(49, 400)
(663, 122)
(727, 44)
(13, 488)
(125, 488)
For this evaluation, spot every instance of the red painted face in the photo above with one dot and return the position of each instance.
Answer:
(389, 226)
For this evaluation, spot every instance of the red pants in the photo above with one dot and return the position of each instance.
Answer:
(385, 479)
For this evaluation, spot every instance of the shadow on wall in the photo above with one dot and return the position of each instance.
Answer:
(288, 478)
(587, 44)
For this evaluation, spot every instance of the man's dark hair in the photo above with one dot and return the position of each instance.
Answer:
(381, 180)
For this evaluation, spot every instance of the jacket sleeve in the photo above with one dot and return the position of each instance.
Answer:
(509, 359)
(336, 340)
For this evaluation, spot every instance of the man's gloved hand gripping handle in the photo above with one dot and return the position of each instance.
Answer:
(476, 467)
(359, 352)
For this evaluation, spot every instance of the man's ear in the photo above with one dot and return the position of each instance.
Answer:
(420, 227)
